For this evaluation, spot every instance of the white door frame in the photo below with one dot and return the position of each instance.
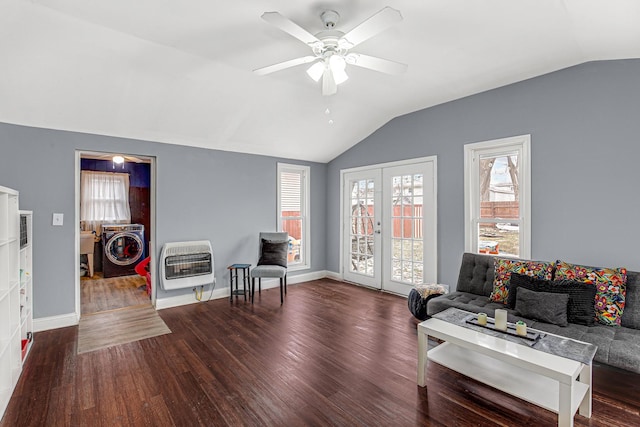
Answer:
(433, 244)
(152, 232)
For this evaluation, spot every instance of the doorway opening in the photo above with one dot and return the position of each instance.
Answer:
(115, 206)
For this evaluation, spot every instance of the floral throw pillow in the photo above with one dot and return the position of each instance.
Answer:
(611, 285)
(503, 267)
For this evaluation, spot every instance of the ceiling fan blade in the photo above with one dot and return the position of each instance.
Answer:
(329, 86)
(372, 26)
(290, 27)
(286, 64)
(376, 64)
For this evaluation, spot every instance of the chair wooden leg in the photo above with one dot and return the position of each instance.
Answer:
(259, 285)
(281, 294)
(285, 284)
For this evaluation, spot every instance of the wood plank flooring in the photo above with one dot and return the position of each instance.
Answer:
(121, 326)
(99, 294)
(332, 355)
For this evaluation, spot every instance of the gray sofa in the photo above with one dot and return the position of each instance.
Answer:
(618, 346)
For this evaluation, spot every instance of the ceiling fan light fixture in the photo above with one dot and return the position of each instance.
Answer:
(337, 65)
(316, 71)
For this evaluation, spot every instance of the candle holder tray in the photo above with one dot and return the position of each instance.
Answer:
(532, 335)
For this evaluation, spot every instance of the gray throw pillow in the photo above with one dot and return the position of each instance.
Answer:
(543, 306)
(274, 253)
(582, 296)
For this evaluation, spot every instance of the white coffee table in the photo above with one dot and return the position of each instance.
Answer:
(553, 382)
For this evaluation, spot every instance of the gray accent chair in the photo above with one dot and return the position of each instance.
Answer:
(270, 271)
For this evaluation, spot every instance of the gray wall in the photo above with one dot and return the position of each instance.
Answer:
(584, 127)
(224, 197)
(584, 123)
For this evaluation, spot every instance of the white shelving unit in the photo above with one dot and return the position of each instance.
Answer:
(26, 283)
(16, 318)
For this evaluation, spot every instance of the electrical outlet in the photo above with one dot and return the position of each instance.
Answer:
(58, 219)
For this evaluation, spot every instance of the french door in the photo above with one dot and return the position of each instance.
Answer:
(361, 234)
(389, 234)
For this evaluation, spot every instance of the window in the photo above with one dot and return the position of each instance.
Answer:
(104, 198)
(293, 212)
(497, 197)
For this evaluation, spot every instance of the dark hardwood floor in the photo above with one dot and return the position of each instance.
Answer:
(333, 354)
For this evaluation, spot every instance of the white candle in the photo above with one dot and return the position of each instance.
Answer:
(501, 319)
(521, 328)
(482, 319)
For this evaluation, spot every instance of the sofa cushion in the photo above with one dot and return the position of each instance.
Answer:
(544, 306)
(464, 301)
(610, 284)
(581, 296)
(617, 347)
(502, 275)
(476, 274)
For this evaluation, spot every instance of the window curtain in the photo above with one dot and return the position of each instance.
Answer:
(104, 199)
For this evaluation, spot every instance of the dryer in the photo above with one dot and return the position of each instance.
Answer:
(123, 249)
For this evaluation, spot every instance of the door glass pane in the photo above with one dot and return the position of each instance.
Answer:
(406, 233)
(361, 229)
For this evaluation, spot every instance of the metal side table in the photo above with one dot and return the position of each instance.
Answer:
(234, 273)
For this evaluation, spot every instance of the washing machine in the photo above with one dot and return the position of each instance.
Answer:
(123, 249)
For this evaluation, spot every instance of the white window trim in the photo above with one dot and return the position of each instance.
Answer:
(472, 152)
(304, 204)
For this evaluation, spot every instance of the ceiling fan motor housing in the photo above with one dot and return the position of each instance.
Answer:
(330, 43)
(330, 19)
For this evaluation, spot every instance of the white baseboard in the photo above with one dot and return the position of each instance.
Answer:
(55, 322)
(306, 277)
(333, 275)
(190, 298)
(72, 319)
(292, 280)
(224, 292)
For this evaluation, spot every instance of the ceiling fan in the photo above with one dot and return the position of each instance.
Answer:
(331, 48)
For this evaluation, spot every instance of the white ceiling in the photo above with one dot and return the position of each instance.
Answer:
(180, 71)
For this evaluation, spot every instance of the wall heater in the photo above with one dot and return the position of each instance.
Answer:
(186, 264)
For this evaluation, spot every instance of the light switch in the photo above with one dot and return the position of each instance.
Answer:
(58, 218)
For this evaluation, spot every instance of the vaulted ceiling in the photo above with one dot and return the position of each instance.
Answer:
(181, 71)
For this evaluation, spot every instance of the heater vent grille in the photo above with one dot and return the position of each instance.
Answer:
(187, 264)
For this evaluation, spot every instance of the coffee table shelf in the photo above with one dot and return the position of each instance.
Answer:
(526, 385)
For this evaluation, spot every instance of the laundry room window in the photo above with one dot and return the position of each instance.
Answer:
(104, 198)
(293, 212)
